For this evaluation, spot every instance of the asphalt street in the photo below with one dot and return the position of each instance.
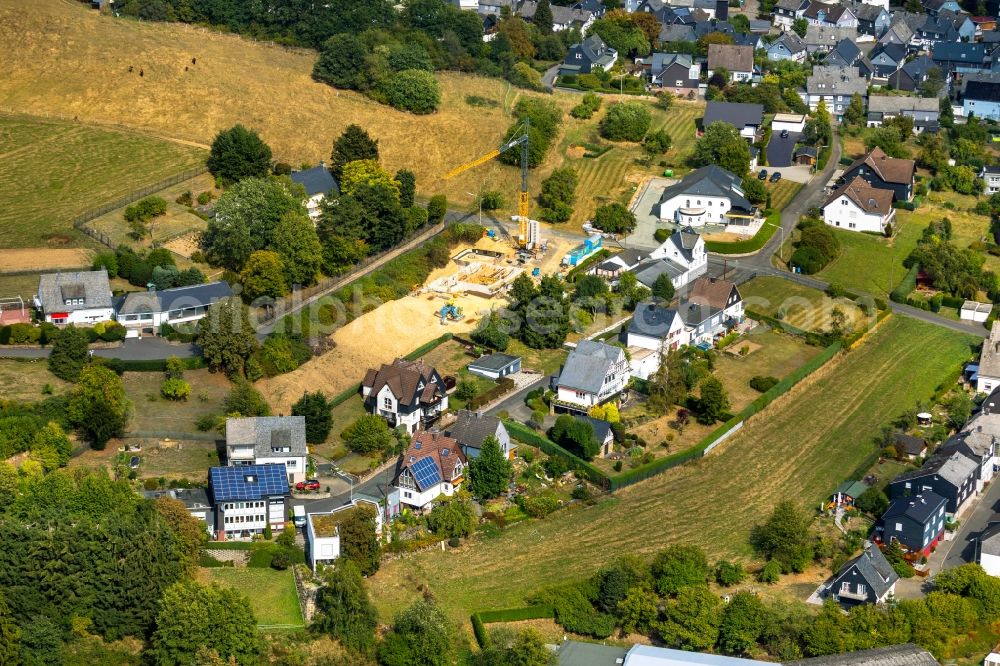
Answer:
(963, 546)
(145, 349)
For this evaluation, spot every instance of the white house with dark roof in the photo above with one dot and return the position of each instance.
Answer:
(495, 366)
(318, 182)
(991, 176)
(405, 393)
(594, 373)
(737, 60)
(268, 440)
(709, 195)
(857, 206)
(82, 297)
(472, 428)
(867, 579)
(654, 329)
(587, 56)
(924, 111)
(611, 268)
(682, 256)
(836, 86)
(180, 305)
(786, 11)
(433, 465)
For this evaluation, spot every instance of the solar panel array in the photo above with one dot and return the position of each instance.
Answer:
(426, 473)
(247, 482)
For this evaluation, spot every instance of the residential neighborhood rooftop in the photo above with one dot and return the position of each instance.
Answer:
(76, 290)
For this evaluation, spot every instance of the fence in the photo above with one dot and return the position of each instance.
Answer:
(481, 618)
(172, 434)
(80, 221)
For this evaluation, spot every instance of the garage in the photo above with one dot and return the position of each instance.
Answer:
(792, 122)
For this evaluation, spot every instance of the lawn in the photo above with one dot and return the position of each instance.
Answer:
(615, 175)
(271, 593)
(874, 264)
(779, 355)
(154, 413)
(801, 447)
(176, 459)
(25, 379)
(53, 170)
(804, 307)
(782, 192)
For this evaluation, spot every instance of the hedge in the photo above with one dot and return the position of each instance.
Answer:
(524, 434)
(228, 545)
(482, 618)
(759, 240)
(908, 284)
(811, 337)
(153, 365)
(503, 387)
(600, 255)
(662, 464)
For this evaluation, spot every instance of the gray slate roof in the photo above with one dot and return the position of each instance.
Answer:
(954, 468)
(710, 180)
(894, 655)
(677, 33)
(647, 272)
(989, 539)
(836, 81)
(174, 299)
(875, 569)
(267, 432)
(92, 286)
(588, 365)
(900, 103)
(317, 180)
(472, 428)
(920, 508)
(494, 361)
(652, 319)
(578, 653)
(736, 114)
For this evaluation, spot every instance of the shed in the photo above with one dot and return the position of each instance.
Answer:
(976, 311)
(910, 446)
(495, 366)
(805, 155)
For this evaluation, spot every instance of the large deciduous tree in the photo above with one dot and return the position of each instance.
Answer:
(721, 144)
(98, 406)
(626, 121)
(785, 537)
(614, 218)
(239, 153)
(368, 434)
(420, 636)
(296, 241)
(358, 540)
(346, 612)
(69, 353)
(226, 337)
(263, 276)
(679, 566)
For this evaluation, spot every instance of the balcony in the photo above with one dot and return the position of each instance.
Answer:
(240, 453)
(855, 596)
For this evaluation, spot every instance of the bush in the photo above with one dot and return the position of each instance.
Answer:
(540, 505)
(763, 384)
(204, 198)
(587, 106)
(771, 573)
(175, 389)
(412, 90)
(626, 121)
(146, 209)
(729, 573)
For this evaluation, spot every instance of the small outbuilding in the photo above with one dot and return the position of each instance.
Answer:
(495, 366)
(805, 156)
(988, 548)
(976, 311)
(793, 122)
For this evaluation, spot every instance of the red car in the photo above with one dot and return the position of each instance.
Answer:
(309, 484)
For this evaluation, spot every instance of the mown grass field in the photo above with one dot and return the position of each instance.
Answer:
(54, 170)
(874, 264)
(615, 175)
(782, 192)
(25, 379)
(801, 447)
(804, 308)
(271, 593)
(778, 356)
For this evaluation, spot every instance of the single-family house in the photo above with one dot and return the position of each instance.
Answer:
(923, 110)
(866, 579)
(433, 465)
(789, 46)
(988, 375)
(720, 294)
(935, 7)
(657, 328)
(887, 59)
(836, 86)
(472, 428)
(979, 447)
(323, 531)
(595, 7)
(495, 366)
(709, 195)
(982, 100)
(594, 373)
(916, 523)
(975, 311)
(496, 7)
(846, 54)
(746, 118)
(857, 206)
(791, 122)
(563, 18)
(248, 499)
(703, 27)
(405, 393)
(677, 72)
(901, 30)
(686, 248)
(988, 552)
(935, 30)
(829, 15)
(318, 183)
(612, 268)
(75, 297)
(590, 55)
(268, 440)
(884, 172)
(704, 323)
(148, 310)
(676, 33)
(991, 176)
(737, 60)
(909, 446)
(786, 11)
(954, 57)
(751, 39)
(952, 476)
(912, 74)
(873, 18)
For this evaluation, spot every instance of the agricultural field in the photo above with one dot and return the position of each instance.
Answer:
(26, 379)
(803, 307)
(271, 593)
(53, 170)
(802, 447)
(615, 175)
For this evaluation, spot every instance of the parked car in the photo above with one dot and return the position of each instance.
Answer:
(308, 484)
(784, 134)
(762, 175)
(776, 176)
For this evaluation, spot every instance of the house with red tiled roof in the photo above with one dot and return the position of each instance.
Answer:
(433, 465)
(405, 393)
(884, 172)
(857, 206)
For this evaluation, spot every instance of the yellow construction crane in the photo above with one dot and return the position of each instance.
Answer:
(520, 138)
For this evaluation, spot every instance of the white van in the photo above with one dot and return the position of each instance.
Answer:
(299, 516)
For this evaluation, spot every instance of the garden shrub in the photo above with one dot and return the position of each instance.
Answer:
(763, 384)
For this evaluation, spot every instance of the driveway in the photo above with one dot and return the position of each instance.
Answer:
(962, 549)
(646, 209)
(549, 77)
(779, 151)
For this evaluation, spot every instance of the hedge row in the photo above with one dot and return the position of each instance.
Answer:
(482, 618)
(908, 284)
(662, 464)
(149, 365)
(600, 255)
(759, 240)
(524, 434)
(503, 387)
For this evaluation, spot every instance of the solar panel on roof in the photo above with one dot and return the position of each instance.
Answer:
(251, 482)
(426, 473)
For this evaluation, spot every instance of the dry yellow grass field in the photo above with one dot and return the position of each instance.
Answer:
(73, 63)
(43, 258)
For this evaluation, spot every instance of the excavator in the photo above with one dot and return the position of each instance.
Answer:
(520, 139)
(450, 312)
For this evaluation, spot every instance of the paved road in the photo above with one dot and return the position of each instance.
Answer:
(963, 548)
(146, 349)
(376, 486)
(779, 151)
(549, 77)
(514, 403)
